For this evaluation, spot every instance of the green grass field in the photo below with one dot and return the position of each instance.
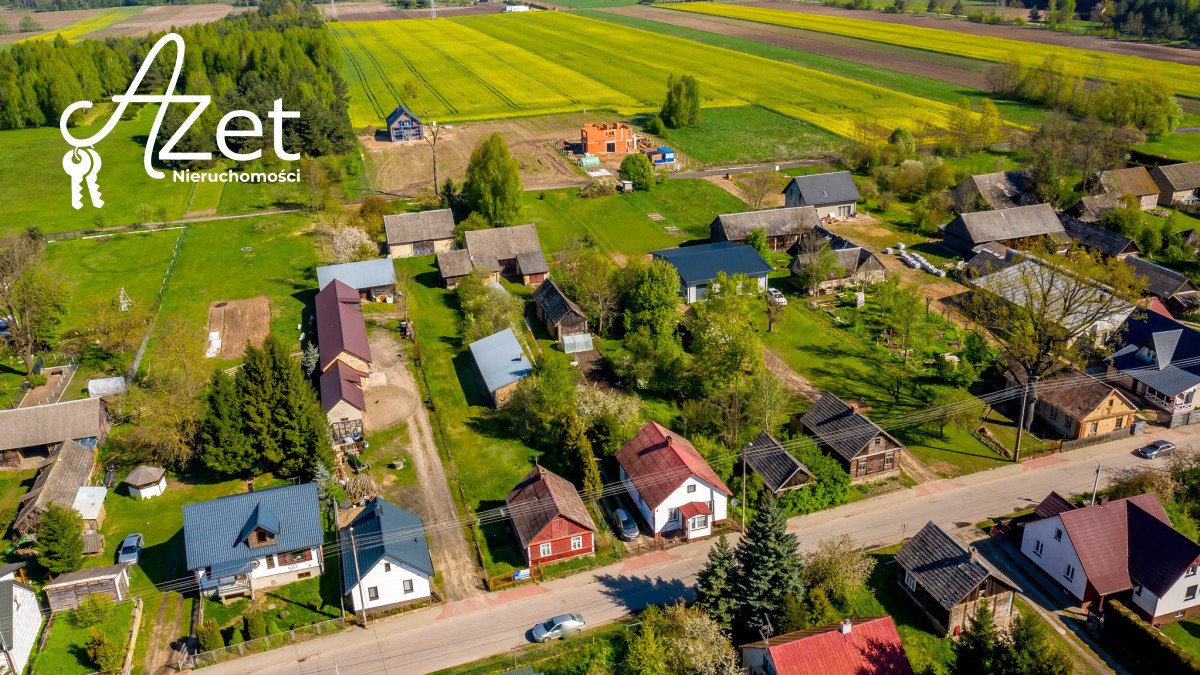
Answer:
(546, 62)
(749, 134)
(100, 20)
(1185, 79)
(1182, 147)
(66, 648)
(621, 223)
(1186, 634)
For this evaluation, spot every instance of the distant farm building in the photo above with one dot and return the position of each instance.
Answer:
(1000, 190)
(1134, 180)
(40, 430)
(1015, 227)
(1177, 291)
(779, 469)
(501, 364)
(832, 194)
(404, 125)
(373, 279)
(868, 452)
(1098, 239)
(607, 139)
(68, 590)
(782, 227)
(146, 482)
(419, 233)
(1177, 183)
(58, 481)
(510, 252)
(855, 265)
(561, 315)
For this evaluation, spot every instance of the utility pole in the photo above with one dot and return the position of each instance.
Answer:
(432, 139)
(743, 486)
(1095, 484)
(358, 575)
(1021, 418)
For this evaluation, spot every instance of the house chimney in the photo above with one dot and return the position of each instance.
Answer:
(854, 407)
(1103, 500)
(845, 627)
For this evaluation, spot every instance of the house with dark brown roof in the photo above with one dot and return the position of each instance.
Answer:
(1177, 183)
(868, 452)
(1177, 290)
(854, 647)
(1000, 190)
(419, 232)
(509, 252)
(341, 329)
(550, 519)
(1013, 227)
(854, 265)
(41, 429)
(58, 481)
(1080, 406)
(672, 485)
(560, 314)
(1135, 181)
(1123, 547)
(779, 469)
(949, 582)
(1096, 238)
(1053, 505)
(782, 227)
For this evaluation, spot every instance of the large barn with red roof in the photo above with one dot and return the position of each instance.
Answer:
(673, 487)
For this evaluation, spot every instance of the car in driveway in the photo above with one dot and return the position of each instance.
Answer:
(1156, 449)
(627, 530)
(777, 297)
(561, 626)
(130, 549)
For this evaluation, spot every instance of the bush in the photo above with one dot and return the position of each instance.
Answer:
(94, 610)
(107, 655)
(1123, 629)
(237, 637)
(655, 126)
(210, 636)
(597, 188)
(256, 626)
(38, 380)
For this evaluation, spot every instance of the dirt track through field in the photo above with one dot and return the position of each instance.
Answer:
(1027, 34)
(928, 64)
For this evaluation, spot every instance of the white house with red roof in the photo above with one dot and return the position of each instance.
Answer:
(672, 485)
(1123, 546)
(863, 647)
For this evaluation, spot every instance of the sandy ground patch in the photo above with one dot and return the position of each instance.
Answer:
(794, 382)
(404, 168)
(390, 404)
(164, 17)
(379, 11)
(240, 322)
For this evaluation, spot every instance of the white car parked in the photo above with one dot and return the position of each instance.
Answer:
(775, 296)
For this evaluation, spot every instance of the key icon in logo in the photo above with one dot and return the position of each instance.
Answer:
(82, 164)
(93, 187)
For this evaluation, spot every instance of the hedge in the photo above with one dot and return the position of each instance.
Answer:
(1126, 631)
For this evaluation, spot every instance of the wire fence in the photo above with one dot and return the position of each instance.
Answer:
(162, 291)
(262, 644)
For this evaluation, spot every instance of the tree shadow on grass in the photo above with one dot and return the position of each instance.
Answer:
(159, 562)
(502, 543)
(634, 593)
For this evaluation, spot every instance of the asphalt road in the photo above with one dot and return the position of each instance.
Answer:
(458, 633)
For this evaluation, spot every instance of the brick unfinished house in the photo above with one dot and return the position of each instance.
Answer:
(607, 139)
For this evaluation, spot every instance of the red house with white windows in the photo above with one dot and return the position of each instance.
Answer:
(549, 518)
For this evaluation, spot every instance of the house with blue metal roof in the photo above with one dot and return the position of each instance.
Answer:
(1156, 358)
(699, 266)
(373, 279)
(501, 364)
(385, 557)
(250, 542)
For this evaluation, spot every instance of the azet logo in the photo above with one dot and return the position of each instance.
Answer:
(82, 162)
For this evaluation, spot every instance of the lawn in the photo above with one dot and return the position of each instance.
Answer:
(838, 361)
(1181, 147)
(32, 160)
(300, 603)
(488, 67)
(12, 486)
(345, 173)
(1186, 634)
(749, 134)
(66, 648)
(621, 223)
(1185, 79)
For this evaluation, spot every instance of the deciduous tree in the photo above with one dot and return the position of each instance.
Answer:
(493, 182)
(838, 566)
(761, 187)
(647, 654)
(637, 169)
(32, 302)
(651, 298)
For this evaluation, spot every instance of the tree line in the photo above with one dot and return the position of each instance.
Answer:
(243, 63)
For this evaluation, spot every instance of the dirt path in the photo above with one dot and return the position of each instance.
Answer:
(160, 654)
(391, 403)
(794, 382)
(1027, 34)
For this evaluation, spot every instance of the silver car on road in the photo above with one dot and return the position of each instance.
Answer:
(563, 625)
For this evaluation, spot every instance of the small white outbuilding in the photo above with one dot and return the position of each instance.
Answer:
(146, 481)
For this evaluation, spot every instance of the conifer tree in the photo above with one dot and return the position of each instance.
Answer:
(223, 446)
(60, 539)
(579, 452)
(209, 635)
(976, 649)
(647, 655)
(769, 568)
(715, 584)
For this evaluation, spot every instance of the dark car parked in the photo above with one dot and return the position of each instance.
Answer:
(1156, 449)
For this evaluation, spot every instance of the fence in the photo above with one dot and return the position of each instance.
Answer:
(162, 290)
(1092, 440)
(260, 644)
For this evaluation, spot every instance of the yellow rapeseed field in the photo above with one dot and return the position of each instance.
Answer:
(101, 19)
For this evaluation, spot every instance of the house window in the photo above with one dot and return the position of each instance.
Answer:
(304, 575)
(387, 567)
(1069, 573)
(1053, 413)
(270, 562)
(1037, 548)
(699, 522)
(408, 587)
(545, 550)
(1191, 571)
(910, 580)
(691, 488)
(576, 542)
(1120, 423)
(1190, 594)
(672, 515)
(1057, 534)
(1093, 428)
(889, 461)
(1137, 590)
(373, 592)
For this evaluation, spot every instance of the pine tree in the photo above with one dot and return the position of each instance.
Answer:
(715, 584)
(210, 636)
(493, 183)
(977, 647)
(769, 568)
(60, 539)
(647, 655)
(223, 446)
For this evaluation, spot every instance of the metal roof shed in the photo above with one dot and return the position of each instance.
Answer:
(359, 275)
(501, 361)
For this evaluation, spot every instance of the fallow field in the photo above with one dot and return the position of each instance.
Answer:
(1184, 78)
(489, 67)
(100, 20)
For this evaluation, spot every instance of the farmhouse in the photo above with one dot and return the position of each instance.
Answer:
(672, 485)
(858, 647)
(1000, 190)
(833, 195)
(344, 402)
(373, 279)
(1134, 180)
(419, 232)
(560, 314)
(854, 265)
(40, 429)
(1123, 546)
(782, 227)
(550, 519)
(1014, 227)
(949, 583)
(868, 452)
(247, 543)
(699, 266)
(1177, 183)
(385, 558)
(501, 364)
(1191, 240)
(146, 482)
(58, 480)
(404, 125)
(66, 591)
(1177, 291)
(20, 620)
(1157, 358)
(1083, 407)
(779, 469)
(341, 329)
(510, 252)
(607, 139)
(1092, 208)
(1105, 242)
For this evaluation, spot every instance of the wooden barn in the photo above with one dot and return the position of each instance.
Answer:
(868, 452)
(561, 315)
(68, 590)
(419, 232)
(404, 125)
(779, 469)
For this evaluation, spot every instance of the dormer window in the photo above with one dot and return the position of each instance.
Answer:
(260, 537)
